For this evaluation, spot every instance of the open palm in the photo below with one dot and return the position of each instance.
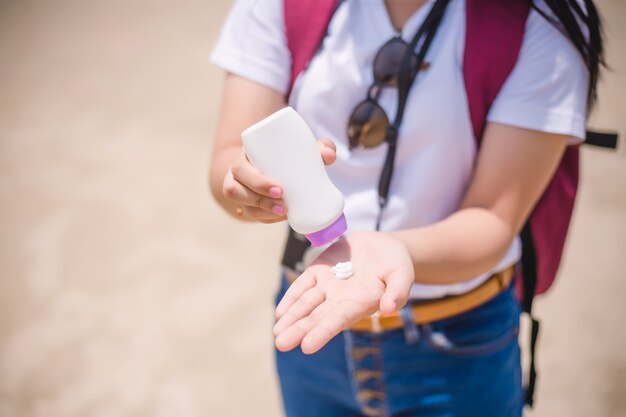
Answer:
(318, 306)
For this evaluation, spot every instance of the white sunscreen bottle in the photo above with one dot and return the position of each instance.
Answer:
(283, 147)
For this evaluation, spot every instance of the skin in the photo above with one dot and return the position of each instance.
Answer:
(513, 167)
(400, 11)
(233, 181)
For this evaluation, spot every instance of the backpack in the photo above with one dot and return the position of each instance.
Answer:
(494, 33)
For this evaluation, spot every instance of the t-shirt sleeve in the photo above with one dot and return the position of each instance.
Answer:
(547, 89)
(252, 43)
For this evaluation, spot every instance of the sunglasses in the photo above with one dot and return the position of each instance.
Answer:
(368, 125)
(396, 64)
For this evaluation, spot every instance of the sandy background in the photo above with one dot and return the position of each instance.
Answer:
(124, 291)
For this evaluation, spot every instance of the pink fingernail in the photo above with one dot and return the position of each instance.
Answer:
(278, 209)
(276, 192)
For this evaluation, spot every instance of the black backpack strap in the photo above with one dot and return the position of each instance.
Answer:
(295, 249)
(602, 139)
(529, 273)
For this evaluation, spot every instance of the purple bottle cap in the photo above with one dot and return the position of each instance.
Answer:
(329, 233)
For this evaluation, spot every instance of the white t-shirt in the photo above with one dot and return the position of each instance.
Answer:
(546, 91)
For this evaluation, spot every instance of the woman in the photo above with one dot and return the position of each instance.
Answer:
(446, 226)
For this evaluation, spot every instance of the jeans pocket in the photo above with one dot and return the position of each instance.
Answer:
(481, 331)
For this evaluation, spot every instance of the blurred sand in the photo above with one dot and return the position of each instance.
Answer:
(124, 291)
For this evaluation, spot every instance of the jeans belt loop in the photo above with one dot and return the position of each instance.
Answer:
(411, 331)
(376, 327)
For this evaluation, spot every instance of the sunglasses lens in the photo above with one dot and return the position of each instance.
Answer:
(368, 125)
(389, 60)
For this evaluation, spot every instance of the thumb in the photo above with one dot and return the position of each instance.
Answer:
(328, 151)
(395, 295)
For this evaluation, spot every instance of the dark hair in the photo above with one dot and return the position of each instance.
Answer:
(573, 20)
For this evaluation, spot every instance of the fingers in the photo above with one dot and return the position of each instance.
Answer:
(314, 331)
(246, 174)
(304, 282)
(292, 336)
(264, 206)
(318, 328)
(395, 295)
(299, 309)
(328, 151)
(263, 215)
(246, 197)
(331, 324)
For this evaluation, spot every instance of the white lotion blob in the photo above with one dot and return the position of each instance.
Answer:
(343, 270)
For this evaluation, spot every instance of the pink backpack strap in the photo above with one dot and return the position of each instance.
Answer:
(493, 38)
(550, 219)
(494, 35)
(305, 27)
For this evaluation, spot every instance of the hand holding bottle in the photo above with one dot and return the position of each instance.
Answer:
(257, 196)
(283, 147)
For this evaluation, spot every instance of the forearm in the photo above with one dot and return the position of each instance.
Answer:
(244, 103)
(462, 246)
(513, 168)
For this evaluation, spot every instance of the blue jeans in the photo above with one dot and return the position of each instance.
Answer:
(464, 366)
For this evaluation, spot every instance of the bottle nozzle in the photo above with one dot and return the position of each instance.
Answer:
(329, 233)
